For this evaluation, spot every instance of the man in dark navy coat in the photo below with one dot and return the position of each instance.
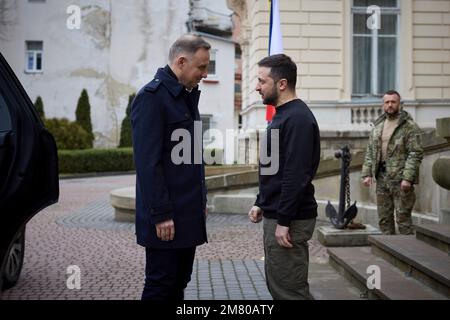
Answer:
(170, 176)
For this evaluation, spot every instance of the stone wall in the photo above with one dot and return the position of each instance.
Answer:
(431, 205)
(332, 141)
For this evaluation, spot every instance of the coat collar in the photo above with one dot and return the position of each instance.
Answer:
(170, 81)
(404, 116)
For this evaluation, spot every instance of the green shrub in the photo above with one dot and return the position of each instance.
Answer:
(83, 115)
(125, 131)
(68, 135)
(96, 160)
(39, 105)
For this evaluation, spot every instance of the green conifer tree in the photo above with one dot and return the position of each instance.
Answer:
(39, 105)
(125, 131)
(83, 115)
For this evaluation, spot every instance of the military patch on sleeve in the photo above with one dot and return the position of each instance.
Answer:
(153, 85)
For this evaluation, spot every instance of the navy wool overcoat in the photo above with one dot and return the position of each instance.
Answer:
(167, 189)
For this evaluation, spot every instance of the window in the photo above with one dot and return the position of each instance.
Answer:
(206, 125)
(238, 51)
(212, 63)
(34, 56)
(374, 50)
(5, 132)
(5, 119)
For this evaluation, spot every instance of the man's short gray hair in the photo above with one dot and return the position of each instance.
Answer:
(188, 44)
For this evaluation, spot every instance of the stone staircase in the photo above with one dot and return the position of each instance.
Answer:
(326, 284)
(411, 267)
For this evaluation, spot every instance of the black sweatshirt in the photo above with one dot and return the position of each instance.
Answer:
(288, 194)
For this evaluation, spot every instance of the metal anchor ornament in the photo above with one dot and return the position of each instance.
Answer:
(344, 217)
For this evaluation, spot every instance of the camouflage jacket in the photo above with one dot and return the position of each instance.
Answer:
(404, 150)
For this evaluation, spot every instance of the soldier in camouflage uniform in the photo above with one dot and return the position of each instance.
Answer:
(393, 158)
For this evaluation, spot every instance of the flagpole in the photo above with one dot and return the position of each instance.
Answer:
(275, 43)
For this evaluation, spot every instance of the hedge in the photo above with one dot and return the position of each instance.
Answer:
(96, 160)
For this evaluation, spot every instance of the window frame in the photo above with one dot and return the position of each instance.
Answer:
(35, 53)
(375, 36)
(206, 139)
(211, 52)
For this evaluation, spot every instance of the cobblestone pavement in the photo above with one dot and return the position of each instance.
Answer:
(80, 231)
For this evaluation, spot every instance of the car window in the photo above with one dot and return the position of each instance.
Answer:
(5, 118)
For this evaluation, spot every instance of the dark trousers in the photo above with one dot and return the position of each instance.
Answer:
(167, 273)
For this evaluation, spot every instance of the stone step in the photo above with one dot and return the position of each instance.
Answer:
(420, 260)
(394, 285)
(233, 203)
(437, 235)
(325, 283)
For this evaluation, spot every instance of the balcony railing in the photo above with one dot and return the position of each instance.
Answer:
(365, 114)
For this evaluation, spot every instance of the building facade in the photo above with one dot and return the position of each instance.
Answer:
(112, 48)
(346, 60)
(113, 51)
(217, 101)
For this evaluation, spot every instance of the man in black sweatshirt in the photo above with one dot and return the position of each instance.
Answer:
(286, 196)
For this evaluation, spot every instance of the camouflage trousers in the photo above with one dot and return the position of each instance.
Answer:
(389, 198)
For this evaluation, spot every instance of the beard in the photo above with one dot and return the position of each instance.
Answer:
(271, 98)
(391, 115)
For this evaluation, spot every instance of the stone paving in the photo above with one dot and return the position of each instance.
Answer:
(80, 231)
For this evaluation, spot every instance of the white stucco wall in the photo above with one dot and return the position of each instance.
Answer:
(217, 98)
(117, 50)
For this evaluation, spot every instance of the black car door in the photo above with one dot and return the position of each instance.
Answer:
(28, 160)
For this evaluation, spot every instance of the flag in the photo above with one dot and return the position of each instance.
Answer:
(275, 43)
(275, 37)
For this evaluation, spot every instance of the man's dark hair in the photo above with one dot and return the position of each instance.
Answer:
(187, 44)
(281, 67)
(391, 92)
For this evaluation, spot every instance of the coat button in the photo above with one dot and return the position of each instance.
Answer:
(157, 80)
(186, 115)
